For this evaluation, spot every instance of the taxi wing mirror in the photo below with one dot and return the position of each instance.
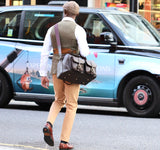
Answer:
(109, 38)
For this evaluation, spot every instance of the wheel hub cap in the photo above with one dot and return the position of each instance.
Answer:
(140, 97)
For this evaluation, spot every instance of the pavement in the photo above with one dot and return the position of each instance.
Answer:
(8, 148)
(4, 146)
(18, 148)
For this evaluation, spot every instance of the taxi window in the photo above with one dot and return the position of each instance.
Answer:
(94, 27)
(37, 23)
(9, 24)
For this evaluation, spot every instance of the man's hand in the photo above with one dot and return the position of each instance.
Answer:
(45, 82)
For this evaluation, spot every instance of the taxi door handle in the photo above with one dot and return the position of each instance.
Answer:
(121, 61)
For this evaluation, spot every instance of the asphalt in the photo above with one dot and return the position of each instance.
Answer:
(8, 148)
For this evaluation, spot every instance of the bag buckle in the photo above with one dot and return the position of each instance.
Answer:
(79, 68)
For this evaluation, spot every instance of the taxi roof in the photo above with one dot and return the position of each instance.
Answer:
(59, 8)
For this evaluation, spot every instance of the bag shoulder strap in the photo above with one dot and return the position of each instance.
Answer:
(58, 39)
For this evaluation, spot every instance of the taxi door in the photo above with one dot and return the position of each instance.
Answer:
(103, 85)
(9, 32)
(26, 68)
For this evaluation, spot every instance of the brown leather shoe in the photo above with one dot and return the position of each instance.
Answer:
(63, 146)
(48, 134)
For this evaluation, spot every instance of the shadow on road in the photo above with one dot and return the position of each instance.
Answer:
(102, 112)
(81, 109)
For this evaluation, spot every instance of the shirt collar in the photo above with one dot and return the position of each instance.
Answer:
(68, 18)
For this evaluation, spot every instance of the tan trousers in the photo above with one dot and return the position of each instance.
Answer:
(64, 94)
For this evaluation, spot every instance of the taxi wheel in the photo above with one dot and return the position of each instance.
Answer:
(4, 91)
(141, 97)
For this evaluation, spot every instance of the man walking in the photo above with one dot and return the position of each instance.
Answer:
(73, 40)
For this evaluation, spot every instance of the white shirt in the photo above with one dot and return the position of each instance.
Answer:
(80, 35)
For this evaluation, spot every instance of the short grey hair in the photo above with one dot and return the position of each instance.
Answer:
(71, 7)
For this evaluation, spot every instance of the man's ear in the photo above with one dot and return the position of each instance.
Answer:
(65, 12)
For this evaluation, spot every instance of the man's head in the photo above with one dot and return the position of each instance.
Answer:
(71, 9)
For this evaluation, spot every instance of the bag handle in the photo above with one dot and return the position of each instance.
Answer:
(58, 39)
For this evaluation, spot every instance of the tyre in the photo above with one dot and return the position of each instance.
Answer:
(5, 91)
(141, 97)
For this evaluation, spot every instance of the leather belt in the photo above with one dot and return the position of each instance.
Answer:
(64, 51)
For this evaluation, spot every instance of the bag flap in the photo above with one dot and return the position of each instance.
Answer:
(91, 63)
(78, 60)
(66, 58)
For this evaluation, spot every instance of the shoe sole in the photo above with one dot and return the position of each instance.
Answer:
(47, 137)
(64, 149)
